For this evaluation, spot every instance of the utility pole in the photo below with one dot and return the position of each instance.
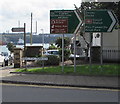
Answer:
(18, 23)
(24, 36)
(36, 27)
(31, 31)
(43, 47)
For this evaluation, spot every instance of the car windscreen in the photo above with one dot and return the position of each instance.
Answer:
(4, 53)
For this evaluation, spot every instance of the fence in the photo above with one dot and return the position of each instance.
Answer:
(111, 55)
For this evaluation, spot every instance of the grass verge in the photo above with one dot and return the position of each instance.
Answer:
(108, 70)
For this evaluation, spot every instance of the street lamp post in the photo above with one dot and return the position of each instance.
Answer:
(43, 47)
(42, 38)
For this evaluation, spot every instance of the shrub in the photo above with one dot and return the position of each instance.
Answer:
(66, 54)
(53, 60)
(52, 46)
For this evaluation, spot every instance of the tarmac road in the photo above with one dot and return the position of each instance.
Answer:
(30, 93)
(6, 67)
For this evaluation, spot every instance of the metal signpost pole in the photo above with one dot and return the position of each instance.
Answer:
(24, 35)
(31, 31)
(74, 52)
(63, 53)
(25, 44)
(101, 61)
(90, 58)
(101, 51)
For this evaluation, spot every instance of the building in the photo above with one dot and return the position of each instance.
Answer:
(111, 46)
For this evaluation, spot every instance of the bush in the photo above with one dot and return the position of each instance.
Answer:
(52, 46)
(53, 60)
(66, 54)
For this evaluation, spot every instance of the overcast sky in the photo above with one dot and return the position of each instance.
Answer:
(13, 11)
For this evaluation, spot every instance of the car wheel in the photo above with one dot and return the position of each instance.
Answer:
(3, 64)
(6, 63)
(11, 63)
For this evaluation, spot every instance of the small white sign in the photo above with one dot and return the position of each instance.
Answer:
(35, 58)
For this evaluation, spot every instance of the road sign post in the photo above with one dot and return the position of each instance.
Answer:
(65, 22)
(63, 53)
(99, 21)
(22, 29)
(74, 52)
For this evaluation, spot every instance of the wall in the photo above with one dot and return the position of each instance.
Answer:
(111, 40)
(111, 46)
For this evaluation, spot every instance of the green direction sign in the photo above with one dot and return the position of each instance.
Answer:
(64, 21)
(99, 21)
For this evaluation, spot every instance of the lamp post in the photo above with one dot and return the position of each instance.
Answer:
(42, 38)
(43, 47)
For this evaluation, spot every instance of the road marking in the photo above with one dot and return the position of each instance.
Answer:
(60, 87)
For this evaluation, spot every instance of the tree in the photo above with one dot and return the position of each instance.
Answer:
(58, 42)
(11, 47)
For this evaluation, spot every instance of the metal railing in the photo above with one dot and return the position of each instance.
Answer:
(111, 55)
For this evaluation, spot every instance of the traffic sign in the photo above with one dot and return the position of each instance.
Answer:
(18, 29)
(64, 21)
(99, 21)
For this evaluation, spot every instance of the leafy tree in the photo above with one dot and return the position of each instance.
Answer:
(58, 42)
(11, 47)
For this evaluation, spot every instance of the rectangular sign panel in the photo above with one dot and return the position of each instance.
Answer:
(64, 21)
(17, 29)
(59, 26)
(99, 21)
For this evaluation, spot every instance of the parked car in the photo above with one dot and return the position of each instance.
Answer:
(51, 52)
(8, 60)
(80, 55)
(2, 61)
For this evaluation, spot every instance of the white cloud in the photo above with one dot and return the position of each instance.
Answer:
(12, 11)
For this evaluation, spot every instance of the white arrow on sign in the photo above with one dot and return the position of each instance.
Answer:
(80, 23)
(114, 20)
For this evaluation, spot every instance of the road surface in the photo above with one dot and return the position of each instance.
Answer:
(30, 93)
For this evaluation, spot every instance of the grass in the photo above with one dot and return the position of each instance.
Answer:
(109, 70)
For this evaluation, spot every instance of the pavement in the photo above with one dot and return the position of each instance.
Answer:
(110, 82)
